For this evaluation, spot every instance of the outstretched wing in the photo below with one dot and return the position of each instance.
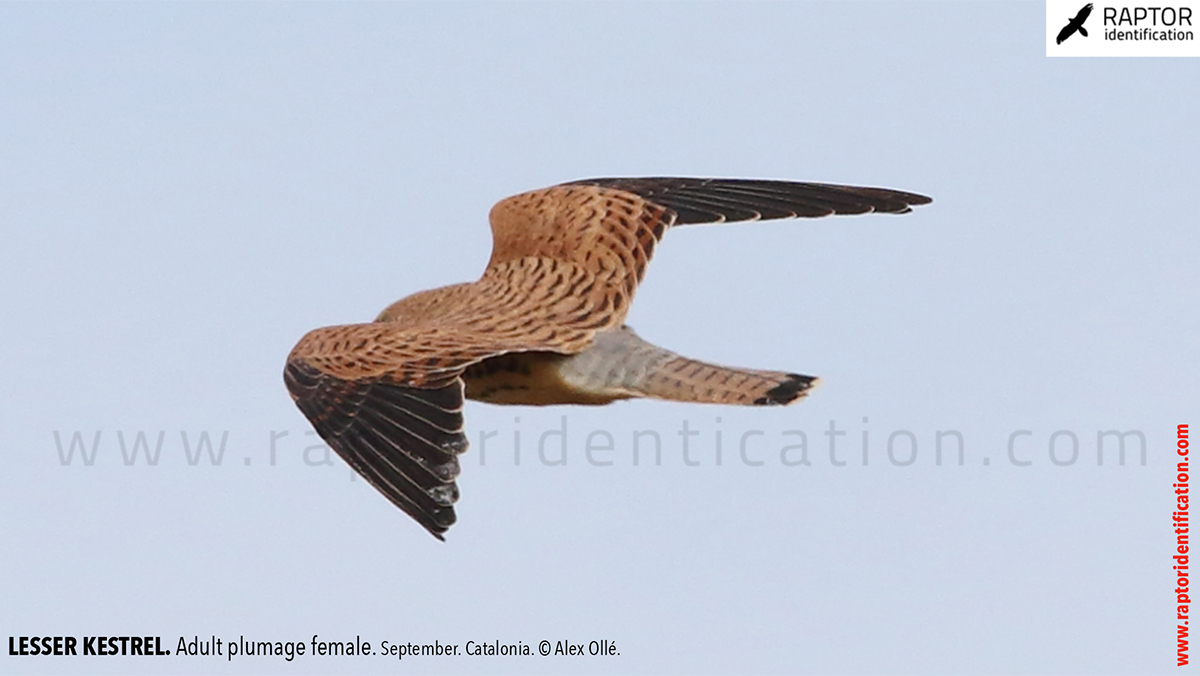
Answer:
(387, 396)
(388, 399)
(403, 440)
(716, 200)
(608, 227)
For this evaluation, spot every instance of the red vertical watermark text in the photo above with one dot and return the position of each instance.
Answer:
(1183, 599)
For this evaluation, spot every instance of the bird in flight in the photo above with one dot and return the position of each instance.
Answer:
(1076, 24)
(545, 324)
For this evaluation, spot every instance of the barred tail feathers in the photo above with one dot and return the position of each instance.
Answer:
(621, 365)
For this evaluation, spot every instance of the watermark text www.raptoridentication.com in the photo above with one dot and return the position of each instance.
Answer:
(686, 443)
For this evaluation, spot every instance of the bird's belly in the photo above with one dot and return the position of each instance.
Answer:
(530, 379)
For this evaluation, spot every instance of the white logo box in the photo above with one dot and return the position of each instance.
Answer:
(1148, 28)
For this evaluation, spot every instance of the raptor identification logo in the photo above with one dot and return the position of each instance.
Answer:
(1138, 28)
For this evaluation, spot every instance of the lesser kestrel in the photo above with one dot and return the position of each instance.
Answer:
(543, 325)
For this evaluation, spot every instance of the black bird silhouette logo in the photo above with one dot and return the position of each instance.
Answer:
(1076, 24)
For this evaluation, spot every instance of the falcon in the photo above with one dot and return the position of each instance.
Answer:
(545, 324)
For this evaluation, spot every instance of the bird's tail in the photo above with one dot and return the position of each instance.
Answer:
(621, 365)
(683, 379)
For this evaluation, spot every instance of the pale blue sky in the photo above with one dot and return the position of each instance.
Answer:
(186, 189)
